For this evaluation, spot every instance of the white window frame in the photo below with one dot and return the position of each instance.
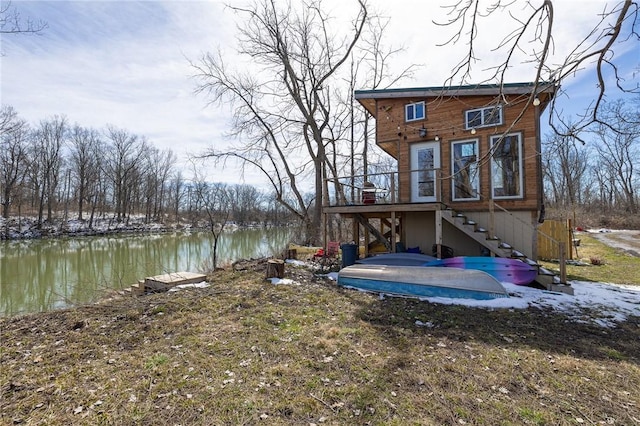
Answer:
(424, 182)
(483, 112)
(413, 106)
(497, 169)
(473, 170)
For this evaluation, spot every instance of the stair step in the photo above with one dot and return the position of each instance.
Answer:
(545, 271)
(561, 288)
(546, 278)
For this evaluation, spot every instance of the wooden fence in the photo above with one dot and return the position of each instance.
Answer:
(552, 232)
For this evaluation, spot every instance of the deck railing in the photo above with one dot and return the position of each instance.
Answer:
(380, 188)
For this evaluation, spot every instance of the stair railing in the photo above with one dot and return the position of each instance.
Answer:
(562, 249)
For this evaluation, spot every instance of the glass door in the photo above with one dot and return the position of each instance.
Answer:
(425, 160)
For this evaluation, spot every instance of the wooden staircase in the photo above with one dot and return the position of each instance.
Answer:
(372, 229)
(499, 248)
(162, 283)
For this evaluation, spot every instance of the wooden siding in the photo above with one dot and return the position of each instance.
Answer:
(445, 118)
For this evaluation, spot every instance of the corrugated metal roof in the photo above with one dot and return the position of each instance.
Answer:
(467, 90)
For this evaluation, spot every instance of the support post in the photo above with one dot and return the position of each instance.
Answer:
(393, 231)
(439, 233)
(356, 234)
(325, 230)
(491, 219)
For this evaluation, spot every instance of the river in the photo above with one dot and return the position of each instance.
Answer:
(47, 274)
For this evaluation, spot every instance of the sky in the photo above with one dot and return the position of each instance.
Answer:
(126, 63)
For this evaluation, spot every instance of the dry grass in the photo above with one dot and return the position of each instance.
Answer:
(244, 351)
(604, 264)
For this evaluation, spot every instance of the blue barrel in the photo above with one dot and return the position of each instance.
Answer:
(349, 254)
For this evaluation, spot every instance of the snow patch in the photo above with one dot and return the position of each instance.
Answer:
(179, 287)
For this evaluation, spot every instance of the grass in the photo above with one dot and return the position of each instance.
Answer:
(244, 351)
(615, 266)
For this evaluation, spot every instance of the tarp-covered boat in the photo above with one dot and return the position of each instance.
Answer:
(420, 281)
(503, 269)
(400, 259)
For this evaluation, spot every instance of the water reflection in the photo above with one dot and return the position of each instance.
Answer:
(41, 275)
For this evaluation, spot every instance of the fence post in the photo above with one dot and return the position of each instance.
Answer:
(570, 238)
(563, 262)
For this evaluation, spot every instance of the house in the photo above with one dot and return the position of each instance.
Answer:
(468, 178)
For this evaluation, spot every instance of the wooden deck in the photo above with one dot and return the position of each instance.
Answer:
(371, 210)
(166, 281)
(160, 283)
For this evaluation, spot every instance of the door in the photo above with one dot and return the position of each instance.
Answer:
(425, 160)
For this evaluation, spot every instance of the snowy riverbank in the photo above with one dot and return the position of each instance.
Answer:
(22, 228)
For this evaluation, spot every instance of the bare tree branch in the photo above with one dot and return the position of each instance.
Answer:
(12, 23)
(613, 27)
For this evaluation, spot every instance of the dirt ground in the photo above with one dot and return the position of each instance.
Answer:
(627, 240)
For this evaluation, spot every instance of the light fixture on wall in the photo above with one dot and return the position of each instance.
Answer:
(422, 132)
(437, 138)
(473, 131)
(536, 101)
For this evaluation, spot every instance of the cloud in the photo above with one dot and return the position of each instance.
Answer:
(126, 62)
(122, 63)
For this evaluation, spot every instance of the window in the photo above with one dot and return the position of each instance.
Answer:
(483, 117)
(506, 166)
(466, 173)
(415, 111)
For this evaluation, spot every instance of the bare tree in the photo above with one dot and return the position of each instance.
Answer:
(125, 155)
(244, 202)
(14, 137)
(619, 150)
(166, 161)
(177, 191)
(532, 42)
(283, 110)
(158, 166)
(213, 200)
(84, 163)
(373, 70)
(565, 164)
(48, 141)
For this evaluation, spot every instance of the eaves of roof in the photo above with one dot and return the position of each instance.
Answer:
(449, 91)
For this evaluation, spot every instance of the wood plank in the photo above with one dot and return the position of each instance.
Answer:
(166, 281)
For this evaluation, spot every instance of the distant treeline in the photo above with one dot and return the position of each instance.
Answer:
(54, 168)
(597, 169)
